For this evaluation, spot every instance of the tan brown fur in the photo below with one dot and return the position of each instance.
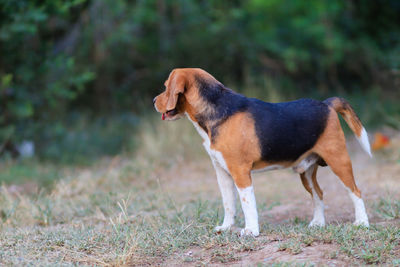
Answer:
(238, 143)
(305, 183)
(341, 106)
(331, 146)
(314, 181)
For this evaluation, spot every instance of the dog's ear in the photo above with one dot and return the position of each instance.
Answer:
(177, 86)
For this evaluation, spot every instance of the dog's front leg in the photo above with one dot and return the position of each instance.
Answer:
(249, 207)
(244, 186)
(227, 188)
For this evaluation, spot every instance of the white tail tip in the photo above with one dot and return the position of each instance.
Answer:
(363, 140)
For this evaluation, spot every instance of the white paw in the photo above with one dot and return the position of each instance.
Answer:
(248, 231)
(361, 223)
(317, 223)
(222, 228)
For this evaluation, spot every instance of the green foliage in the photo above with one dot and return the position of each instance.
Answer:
(101, 56)
(36, 82)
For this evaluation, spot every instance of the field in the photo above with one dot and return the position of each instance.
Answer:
(159, 207)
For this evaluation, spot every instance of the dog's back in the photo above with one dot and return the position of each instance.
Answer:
(289, 129)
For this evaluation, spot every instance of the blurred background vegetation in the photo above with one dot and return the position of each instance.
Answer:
(77, 77)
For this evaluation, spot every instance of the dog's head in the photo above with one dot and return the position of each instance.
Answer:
(170, 103)
(182, 94)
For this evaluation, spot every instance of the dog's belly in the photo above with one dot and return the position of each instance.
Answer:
(269, 168)
(297, 166)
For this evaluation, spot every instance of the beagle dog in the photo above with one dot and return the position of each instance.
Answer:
(244, 135)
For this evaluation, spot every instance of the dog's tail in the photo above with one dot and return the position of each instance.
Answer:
(343, 107)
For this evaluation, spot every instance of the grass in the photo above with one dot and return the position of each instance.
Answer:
(388, 207)
(126, 210)
(373, 245)
(81, 139)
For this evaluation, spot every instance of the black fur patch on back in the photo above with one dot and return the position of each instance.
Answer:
(287, 130)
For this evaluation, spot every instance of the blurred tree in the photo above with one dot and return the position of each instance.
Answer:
(36, 81)
(109, 56)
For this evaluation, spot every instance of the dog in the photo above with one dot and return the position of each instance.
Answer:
(244, 135)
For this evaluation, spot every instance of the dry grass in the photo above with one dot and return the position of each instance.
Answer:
(159, 207)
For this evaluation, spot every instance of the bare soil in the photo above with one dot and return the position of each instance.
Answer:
(283, 192)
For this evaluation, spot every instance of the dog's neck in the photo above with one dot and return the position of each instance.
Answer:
(202, 114)
(213, 105)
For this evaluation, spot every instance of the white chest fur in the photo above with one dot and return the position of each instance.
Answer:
(215, 155)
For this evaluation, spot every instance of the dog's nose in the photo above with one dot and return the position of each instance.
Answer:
(154, 100)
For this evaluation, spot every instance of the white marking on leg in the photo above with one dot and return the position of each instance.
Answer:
(359, 208)
(360, 213)
(363, 140)
(227, 188)
(249, 207)
(319, 217)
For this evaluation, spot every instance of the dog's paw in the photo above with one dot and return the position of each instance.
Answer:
(222, 228)
(249, 232)
(317, 223)
(361, 223)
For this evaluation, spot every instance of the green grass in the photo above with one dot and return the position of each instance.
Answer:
(103, 219)
(29, 170)
(123, 211)
(376, 244)
(388, 207)
(149, 228)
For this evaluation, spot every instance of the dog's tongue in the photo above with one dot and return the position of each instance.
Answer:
(163, 116)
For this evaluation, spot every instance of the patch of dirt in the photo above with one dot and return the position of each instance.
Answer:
(318, 254)
(283, 192)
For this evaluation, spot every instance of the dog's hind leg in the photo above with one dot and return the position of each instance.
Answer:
(309, 180)
(341, 165)
(332, 149)
(227, 188)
